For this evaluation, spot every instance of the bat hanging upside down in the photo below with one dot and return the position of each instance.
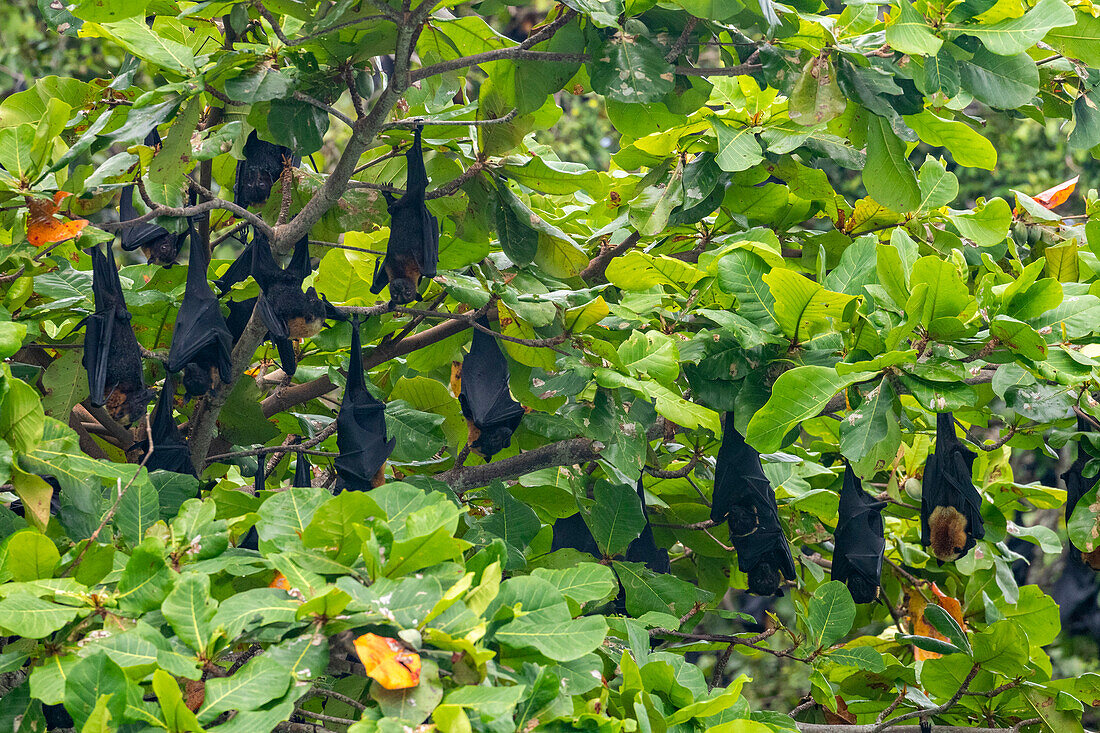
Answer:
(951, 508)
(492, 415)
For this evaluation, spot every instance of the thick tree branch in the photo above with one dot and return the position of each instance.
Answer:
(563, 453)
(594, 273)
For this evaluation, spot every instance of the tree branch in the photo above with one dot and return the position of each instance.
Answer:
(563, 453)
(594, 273)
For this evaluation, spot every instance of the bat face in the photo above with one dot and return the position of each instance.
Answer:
(162, 251)
(258, 172)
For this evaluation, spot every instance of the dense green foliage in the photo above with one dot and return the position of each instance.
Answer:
(761, 228)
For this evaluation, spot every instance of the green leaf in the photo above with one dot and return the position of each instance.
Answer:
(738, 148)
(66, 384)
(816, 96)
(145, 43)
(176, 714)
(263, 85)
(941, 74)
(1086, 121)
(862, 657)
(938, 187)
(30, 555)
(741, 273)
(616, 519)
(910, 33)
(1019, 337)
(947, 295)
(647, 591)
(1079, 41)
(928, 644)
(189, 610)
(651, 353)
(556, 177)
(297, 125)
(945, 623)
(1003, 82)
(870, 435)
(561, 641)
(33, 618)
(803, 308)
(629, 68)
(1062, 262)
(987, 224)
(514, 522)
(830, 613)
(1054, 717)
(286, 515)
(1016, 35)
(92, 677)
(888, 176)
(966, 146)
(22, 421)
(584, 582)
(259, 681)
(138, 510)
(98, 11)
(798, 394)
(518, 239)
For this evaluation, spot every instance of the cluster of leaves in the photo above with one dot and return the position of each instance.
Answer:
(713, 269)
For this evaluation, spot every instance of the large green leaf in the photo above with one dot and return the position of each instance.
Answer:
(803, 308)
(798, 394)
(888, 176)
(629, 68)
(1003, 82)
(1015, 35)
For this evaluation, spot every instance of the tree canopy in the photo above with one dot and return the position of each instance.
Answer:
(488, 439)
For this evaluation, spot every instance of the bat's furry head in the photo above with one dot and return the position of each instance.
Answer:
(198, 379)
(128, 405)
(492, 441)
(862, 590)
(312, 319)
(764, 579)
(402, 291)
(163, 250)
(948, 535)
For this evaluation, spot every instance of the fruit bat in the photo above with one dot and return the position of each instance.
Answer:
(160, 246)
(572, 532)
(360, 429)
(201, 342)
(857, 557)
(744, 497)
(1075, 593)
(251, 539)
(413, 249)
(261, 167)
(491, 413)
(951, 508)
(286, 311)
(1077, 486)
(170, 450)
(112, 356)
(303, 477)
(737, 472)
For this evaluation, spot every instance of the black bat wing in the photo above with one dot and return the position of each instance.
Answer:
(100, 326)
(265, 269)
(258, 171)
(644, 548)
(276, 326)
(572, 532)
(859, 540)
(303, 477)
(170, 451)
(238, 270)
(737, 472)
(139, 235)
(299, 267)
(200, 327)
(240, 313)
(484, 395)
(360, 426)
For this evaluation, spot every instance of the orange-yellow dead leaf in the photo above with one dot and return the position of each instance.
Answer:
(388, 661)
(45, 228)
(1056, 195)
(920, 627)
(280, 581)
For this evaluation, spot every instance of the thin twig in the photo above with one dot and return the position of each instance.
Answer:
(705, 524)
(327, 109)
(938, 710)
(322, 692)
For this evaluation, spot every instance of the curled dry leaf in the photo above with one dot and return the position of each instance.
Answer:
(388, 661)
(1056, 195)
(43, 227)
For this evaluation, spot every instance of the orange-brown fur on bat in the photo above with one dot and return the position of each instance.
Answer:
(404, 273)
(1092, 559)
(379, 478)
(948, 533)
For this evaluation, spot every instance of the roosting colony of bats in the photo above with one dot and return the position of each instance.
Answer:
(201, 351)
